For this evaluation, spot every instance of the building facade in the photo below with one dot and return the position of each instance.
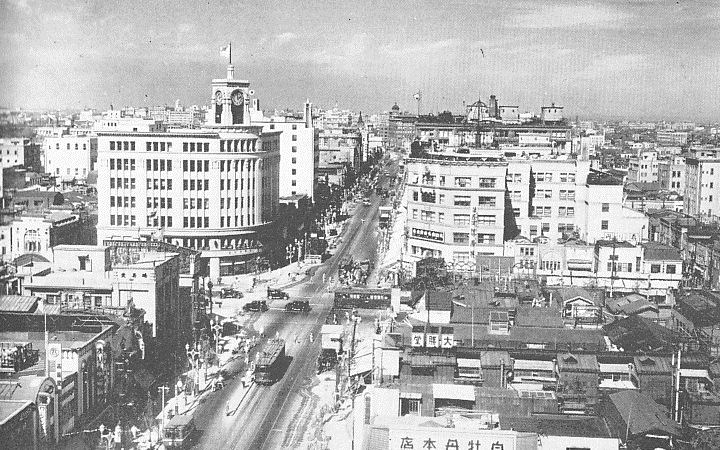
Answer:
(214, 190)
(456, 207)
(702, 187)
(69, 158)
(299, 153)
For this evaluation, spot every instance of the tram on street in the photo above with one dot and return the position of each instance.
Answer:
(270, 364)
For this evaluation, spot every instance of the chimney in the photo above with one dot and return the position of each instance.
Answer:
(307, 114)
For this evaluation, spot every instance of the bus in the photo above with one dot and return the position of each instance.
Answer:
(270, 362)
(179, 432)
(362, 298)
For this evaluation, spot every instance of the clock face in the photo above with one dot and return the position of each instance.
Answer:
(218, 98)
(237, 98)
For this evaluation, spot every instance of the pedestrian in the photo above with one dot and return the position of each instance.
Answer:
(227, 408)
(134, 431)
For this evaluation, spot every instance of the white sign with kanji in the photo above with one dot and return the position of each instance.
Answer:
(447, 340)
(458, 439)
(418, 339)
(433, 340)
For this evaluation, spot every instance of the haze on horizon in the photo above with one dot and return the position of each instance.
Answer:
(649, 59)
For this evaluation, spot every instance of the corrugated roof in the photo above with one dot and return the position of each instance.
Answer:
(539, 317)
(17, 303)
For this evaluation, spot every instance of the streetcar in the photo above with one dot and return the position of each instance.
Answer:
(270, 364)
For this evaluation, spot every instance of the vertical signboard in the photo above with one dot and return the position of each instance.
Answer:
(54, 357)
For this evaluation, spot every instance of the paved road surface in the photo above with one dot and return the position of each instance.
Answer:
(274, 417)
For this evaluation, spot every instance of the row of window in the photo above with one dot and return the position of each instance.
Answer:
(227, 203)
(161, 183)
(77, 171)
(196, 222)
(120, 202)
(196, 185)
(203, 147)
(237, 146)
(123, 145)
(122, 183)
(162, 221)
(196, 166)
(122, 220)
(156, 165)
(458, 200)
(546, 211)
(547, 177)
(161, 202)
(57, 147)
(628, 267)
(122, 164)
(196, 203)
(482, 238)
(461, 182)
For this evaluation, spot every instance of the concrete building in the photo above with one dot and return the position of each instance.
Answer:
(456, 206)
(669, 137)
(69, 158)
(702, 187)
(672, 174)
(13, 151)
(36, 234)
(645, 167)
(299, 152)
(113, 280)
(214, 189)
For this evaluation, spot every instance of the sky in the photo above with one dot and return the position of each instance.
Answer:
(634, 59)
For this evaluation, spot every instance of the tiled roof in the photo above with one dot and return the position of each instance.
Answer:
(539, 317)
(655, 251)
(558, 425)
(17, 303)
(643, 413)
(576, 362)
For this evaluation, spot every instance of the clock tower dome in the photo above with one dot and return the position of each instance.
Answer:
(230, 100)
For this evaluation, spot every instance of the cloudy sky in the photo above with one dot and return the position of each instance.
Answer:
(639, 59)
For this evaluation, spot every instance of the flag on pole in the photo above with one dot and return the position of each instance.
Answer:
(226, 51)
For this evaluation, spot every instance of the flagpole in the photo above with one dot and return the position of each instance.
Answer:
(230, 52)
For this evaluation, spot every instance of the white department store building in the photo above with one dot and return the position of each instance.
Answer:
(215, 189)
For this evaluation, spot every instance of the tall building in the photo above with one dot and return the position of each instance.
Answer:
(215, 189)
(14, 150)
(70, 157)
(645, 167)
(456, 206)
(299, 152)
(672, 173)
(702, 187)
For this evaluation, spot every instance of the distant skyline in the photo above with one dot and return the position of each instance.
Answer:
(634, 59)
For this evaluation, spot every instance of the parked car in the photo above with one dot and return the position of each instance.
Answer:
(298, 306)
(227, 292)
(256, 306)
(277, 294)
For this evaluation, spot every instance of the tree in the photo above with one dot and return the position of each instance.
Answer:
(706, 439)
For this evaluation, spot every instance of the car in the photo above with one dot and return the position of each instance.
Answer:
(227, 292)
(277, 294)
(366, 201)
(256, 306)
(298, 306)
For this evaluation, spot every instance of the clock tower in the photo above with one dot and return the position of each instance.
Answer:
(230, 100)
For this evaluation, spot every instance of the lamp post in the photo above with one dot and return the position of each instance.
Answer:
(177, 394)
(162, 390)
(216, 327)
(193, 356)
(209, 293)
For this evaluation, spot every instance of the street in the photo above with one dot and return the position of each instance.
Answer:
(271, 417)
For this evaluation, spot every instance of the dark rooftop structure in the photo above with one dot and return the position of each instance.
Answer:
(635, 334)
(603, 178)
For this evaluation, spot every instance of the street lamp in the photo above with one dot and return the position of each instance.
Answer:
(210, 286)
(177, 394)
(193, 356)
(216, 327)
(162, 389)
